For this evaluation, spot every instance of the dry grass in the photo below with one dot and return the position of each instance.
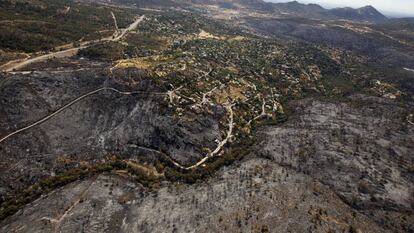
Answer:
(132, 63)
(231, 92)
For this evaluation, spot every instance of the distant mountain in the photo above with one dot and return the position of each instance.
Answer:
(297, 9)
(295, 6)
(254, 4)
(302, 10)
(138, 3)
(367, 13)
(287, 9)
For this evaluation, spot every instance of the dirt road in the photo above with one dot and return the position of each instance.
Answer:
(19, 64)
(199, 163)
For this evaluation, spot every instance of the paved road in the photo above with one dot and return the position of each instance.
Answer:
(70, 52)
(129, 28)
(60, 54)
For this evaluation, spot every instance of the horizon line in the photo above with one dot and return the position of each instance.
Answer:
(328, 6)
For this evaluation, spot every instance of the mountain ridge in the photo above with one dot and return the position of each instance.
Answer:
(365, 13)
(280, 9)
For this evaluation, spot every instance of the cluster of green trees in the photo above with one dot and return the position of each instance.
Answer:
(29, 26)
(239, 151)
(46, 185)
(173, 23)
(107, 51)
(310, 55)
(164, 165)
(15, 39)
(28, 195)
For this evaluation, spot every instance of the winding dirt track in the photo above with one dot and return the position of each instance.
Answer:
(202, 161)
(115, 22)
(61, 54)
(73, 51)
(72, 103)
(219, 146)
(16, 65)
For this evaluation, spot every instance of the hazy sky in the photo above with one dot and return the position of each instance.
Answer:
(405, 7)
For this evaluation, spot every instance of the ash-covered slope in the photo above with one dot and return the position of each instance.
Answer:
(330, 167)
(138, 126)
(258, 196)
(361, 149)
(302, 125)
